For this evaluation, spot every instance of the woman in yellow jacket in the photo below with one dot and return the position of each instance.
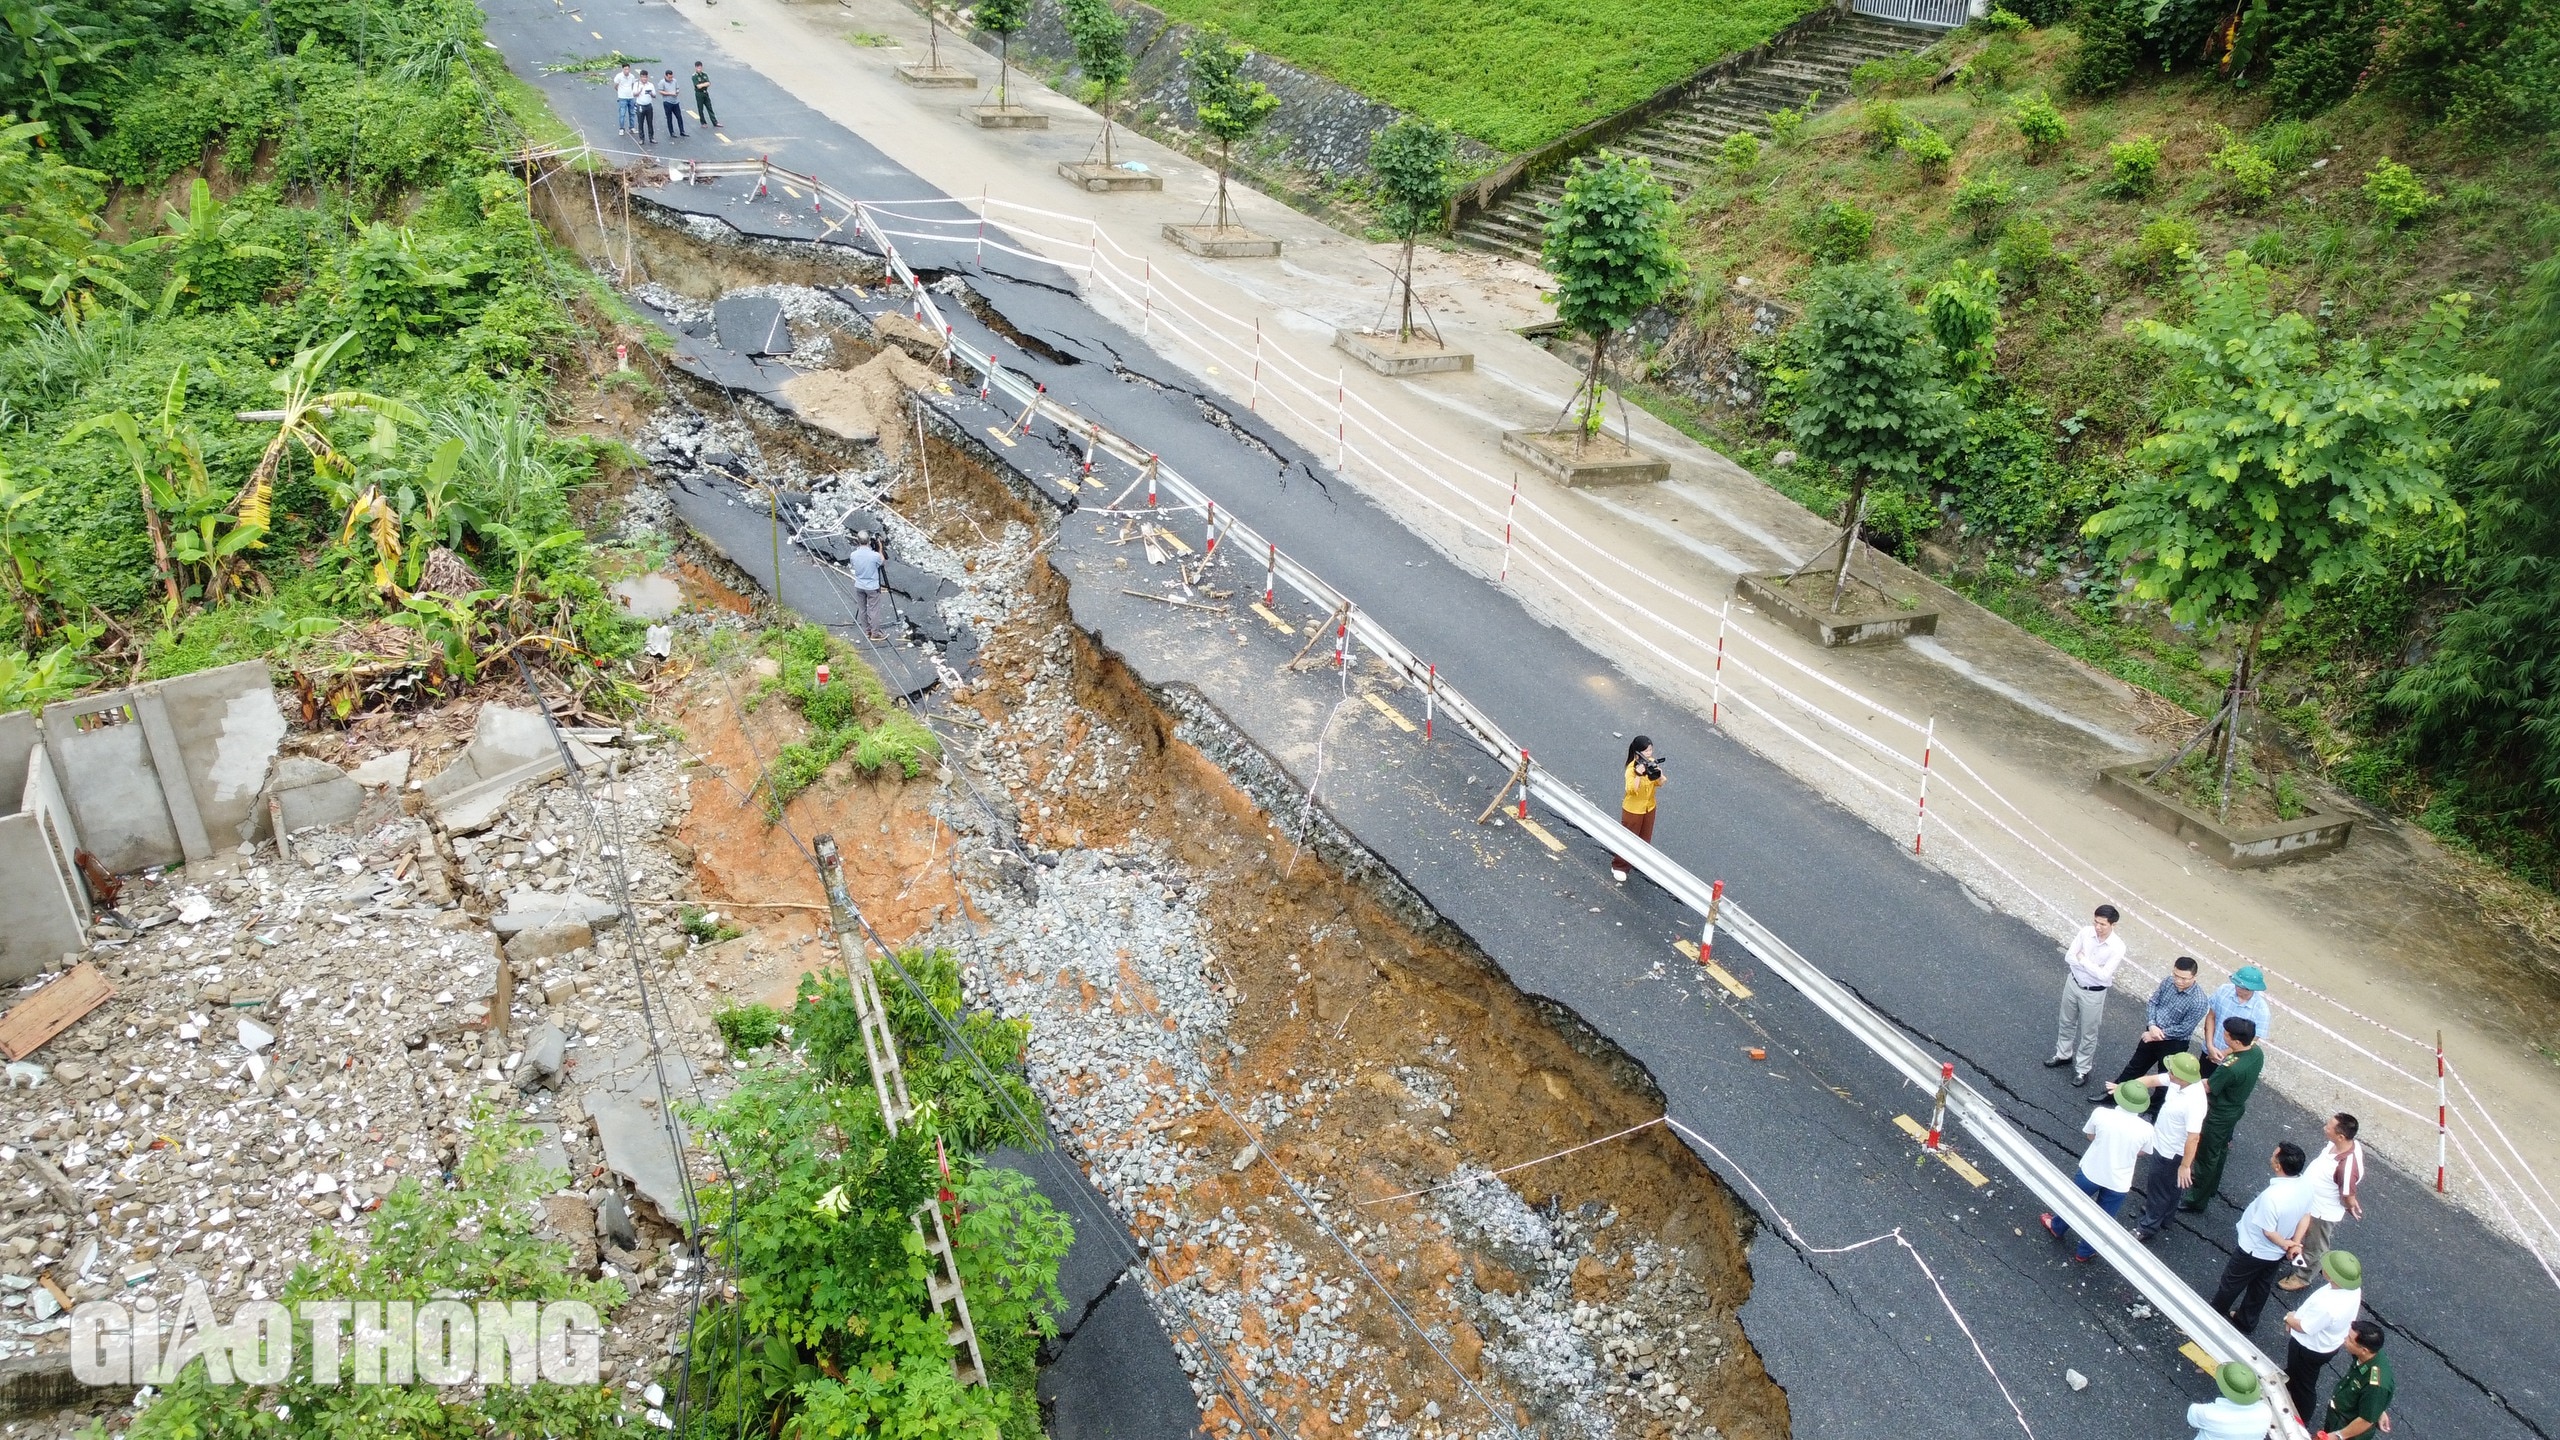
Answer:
(1644, 777)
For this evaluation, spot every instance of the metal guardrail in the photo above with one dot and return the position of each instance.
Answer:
(2012, 1148)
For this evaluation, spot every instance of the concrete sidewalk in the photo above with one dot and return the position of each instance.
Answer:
(2384, 927)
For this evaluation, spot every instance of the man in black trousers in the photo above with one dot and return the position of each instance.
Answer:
(2270, 1234)
(2169, 1021)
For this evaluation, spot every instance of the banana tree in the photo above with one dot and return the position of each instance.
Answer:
(299, 423)
(168, 471)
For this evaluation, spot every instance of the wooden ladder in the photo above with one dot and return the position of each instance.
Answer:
(947, 1298)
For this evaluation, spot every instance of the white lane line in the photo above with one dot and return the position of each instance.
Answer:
(1928, 645)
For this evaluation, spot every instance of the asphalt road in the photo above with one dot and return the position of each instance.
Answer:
(1859, 1340)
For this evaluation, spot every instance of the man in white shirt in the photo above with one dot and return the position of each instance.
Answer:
(2117, 1133)
(2337, 1173)
(2319, 1327)
(2270, 1233)
(2089, 968)
(2169, 1163)
(2240, 1412)
(626, 89)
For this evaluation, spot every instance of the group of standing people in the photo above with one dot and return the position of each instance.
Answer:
(639, 100)
(2166, 1131)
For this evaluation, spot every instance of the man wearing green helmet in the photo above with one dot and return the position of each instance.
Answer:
(2240, 1412)
(2117, 1134)
(2315, 1330)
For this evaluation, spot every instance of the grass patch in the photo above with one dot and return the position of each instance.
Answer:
(1512, 76)
(850, 713)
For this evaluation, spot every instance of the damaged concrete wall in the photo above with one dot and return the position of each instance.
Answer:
(170, 771)
(45, 908)
(162, 773)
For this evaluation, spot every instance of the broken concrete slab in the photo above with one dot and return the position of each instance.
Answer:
(550, 938)
(40, 890)
(509, 749)
(312, 792)
(170, 771)
(527, 909)
(386, 771)
(623, 1105)
(546, 1053)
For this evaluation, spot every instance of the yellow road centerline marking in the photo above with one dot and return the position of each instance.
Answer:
(1955, 1162)
(1715, 971)
(2196, 1356)
(1003, 435)
(1534, 828)
(1283, 626)
(1171, 539)
(1386, 709)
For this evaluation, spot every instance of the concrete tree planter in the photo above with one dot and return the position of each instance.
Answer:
(2235, 847)
(1388, 355)
(1101, 179)
(1222, 242)
(936, 77)
(1602, 459)
(1862, 619)
(1007, 117)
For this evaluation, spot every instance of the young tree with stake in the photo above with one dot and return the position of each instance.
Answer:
(1003, 19)
(2292, 454)
(1609, 246)
(1411, 160)
(1871, 401)
(1229, 106)
(1102, 53)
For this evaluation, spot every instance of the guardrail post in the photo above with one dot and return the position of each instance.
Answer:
(1938, 1111)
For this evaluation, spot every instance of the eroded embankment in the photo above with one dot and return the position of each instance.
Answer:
(1257, 1052)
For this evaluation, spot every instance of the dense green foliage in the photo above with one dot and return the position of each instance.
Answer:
(353, 259)
(830, 1334)
(474, 1237)
(2286, 460)
(2485, 705)
(1411, 160)
(1227, 106)
(1513, 76)
(1003, 19)
(1609, 244)
(1870, 400)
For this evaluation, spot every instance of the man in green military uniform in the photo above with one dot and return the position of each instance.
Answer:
(2227, 1092)
(2361, 1405)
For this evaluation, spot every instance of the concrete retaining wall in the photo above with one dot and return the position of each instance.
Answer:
(46, 908)
(1320, 127)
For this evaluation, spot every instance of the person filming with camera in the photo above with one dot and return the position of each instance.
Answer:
(1644, 777)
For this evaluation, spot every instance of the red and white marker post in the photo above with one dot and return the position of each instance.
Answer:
(1430, 698)
(1938, 1110)
(1270, 572)
(1707, 934)
(1715, 702)
(1507, 514)
(1928, 743)
(2441, 1129)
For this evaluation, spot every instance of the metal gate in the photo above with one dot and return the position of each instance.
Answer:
(1939, 14)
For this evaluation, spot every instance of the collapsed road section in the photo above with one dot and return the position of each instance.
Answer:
(1064, 444)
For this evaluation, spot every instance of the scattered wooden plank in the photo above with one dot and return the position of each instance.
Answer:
(53, 1009)
(1171, 600)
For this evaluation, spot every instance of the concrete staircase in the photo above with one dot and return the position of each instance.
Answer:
(1682, 140)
